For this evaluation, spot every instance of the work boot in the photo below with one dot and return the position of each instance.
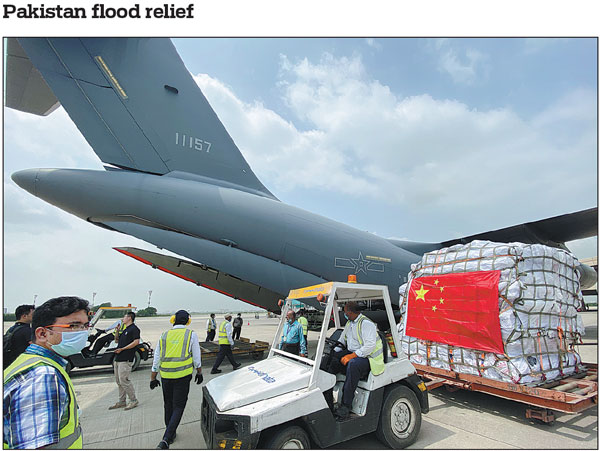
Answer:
(118, 405)
(342, 412)
(163, 445)
(236, 366)
(217, 371)
(131, 405)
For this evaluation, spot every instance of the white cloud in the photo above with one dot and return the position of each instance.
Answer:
(42, 139)
(463, 67)
(415, 151)
(373, 43)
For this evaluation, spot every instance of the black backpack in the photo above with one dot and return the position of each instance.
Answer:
(8, 356)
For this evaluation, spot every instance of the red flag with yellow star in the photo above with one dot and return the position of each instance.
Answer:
(456, 309)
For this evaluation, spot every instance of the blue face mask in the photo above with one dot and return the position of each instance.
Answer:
(71, 343)
(346, 316)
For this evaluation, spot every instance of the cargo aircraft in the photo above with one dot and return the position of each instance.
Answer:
(175, 178)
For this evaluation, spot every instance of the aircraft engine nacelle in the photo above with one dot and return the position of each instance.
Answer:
(588, 276)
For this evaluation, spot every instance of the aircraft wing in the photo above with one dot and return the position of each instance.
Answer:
(553, 231)
(207, 277)
(135, 103)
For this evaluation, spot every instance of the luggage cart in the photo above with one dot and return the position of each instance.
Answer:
(241, 347)
(573, 394)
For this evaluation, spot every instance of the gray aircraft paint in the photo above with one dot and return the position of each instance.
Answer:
(177, 180)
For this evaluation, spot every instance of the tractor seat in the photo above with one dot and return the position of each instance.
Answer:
(365, 381)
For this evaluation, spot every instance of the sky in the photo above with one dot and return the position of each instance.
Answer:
(425, 139)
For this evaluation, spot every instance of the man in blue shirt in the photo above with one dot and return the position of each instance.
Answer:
(40, 408)
(292, 340)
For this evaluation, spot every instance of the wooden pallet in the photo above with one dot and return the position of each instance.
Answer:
(570, 395)
(241, 347)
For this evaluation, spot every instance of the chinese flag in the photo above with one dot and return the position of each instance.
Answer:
(456, 309)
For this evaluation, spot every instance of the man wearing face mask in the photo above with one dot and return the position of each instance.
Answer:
(40, 408)
(364, 353)
(292, 339)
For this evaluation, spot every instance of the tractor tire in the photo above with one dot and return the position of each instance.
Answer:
(287, 437)
(400, 420)
(137, 358)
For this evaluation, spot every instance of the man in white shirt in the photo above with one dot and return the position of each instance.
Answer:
(225, 345)
(211, 327)
(176, 368)
(363, 346)
(101, 342)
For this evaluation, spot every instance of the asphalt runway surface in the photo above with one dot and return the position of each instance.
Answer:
(457, 420)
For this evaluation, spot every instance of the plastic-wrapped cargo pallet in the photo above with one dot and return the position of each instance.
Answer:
(538, 299)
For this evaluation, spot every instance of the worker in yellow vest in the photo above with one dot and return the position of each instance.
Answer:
(211, 328)
(225, 345)
(304, 323)
(363, 353)
(176, 356)
(40, 408)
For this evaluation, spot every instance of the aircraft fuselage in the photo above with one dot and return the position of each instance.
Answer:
(277, 245)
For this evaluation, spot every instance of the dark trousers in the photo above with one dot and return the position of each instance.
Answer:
(292, 348)
(100, 342)
(210, 335)
(236, 333)
(175, 395)
(224, 351)
(357, 367)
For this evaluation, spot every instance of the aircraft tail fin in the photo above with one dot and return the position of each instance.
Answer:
(137, 105)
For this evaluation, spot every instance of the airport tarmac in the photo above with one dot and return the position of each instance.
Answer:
(458, 420)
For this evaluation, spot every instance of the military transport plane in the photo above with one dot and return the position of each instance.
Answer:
(175, 178)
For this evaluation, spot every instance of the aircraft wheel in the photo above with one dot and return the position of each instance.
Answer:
(291, 437)
(137, 358)
(400, 420)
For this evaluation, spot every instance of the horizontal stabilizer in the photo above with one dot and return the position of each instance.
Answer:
(139, 108)
(26, 90)
(206, 277)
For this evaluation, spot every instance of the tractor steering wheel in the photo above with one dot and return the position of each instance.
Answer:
(333, 343)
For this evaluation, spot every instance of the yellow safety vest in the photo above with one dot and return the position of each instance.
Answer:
(376, 357)
(119, 330)
(302, 320)
(70, 436)
(212, 325)
(223, 340)
(175, 356)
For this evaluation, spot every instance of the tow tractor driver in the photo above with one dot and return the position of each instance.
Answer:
(364, 352)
